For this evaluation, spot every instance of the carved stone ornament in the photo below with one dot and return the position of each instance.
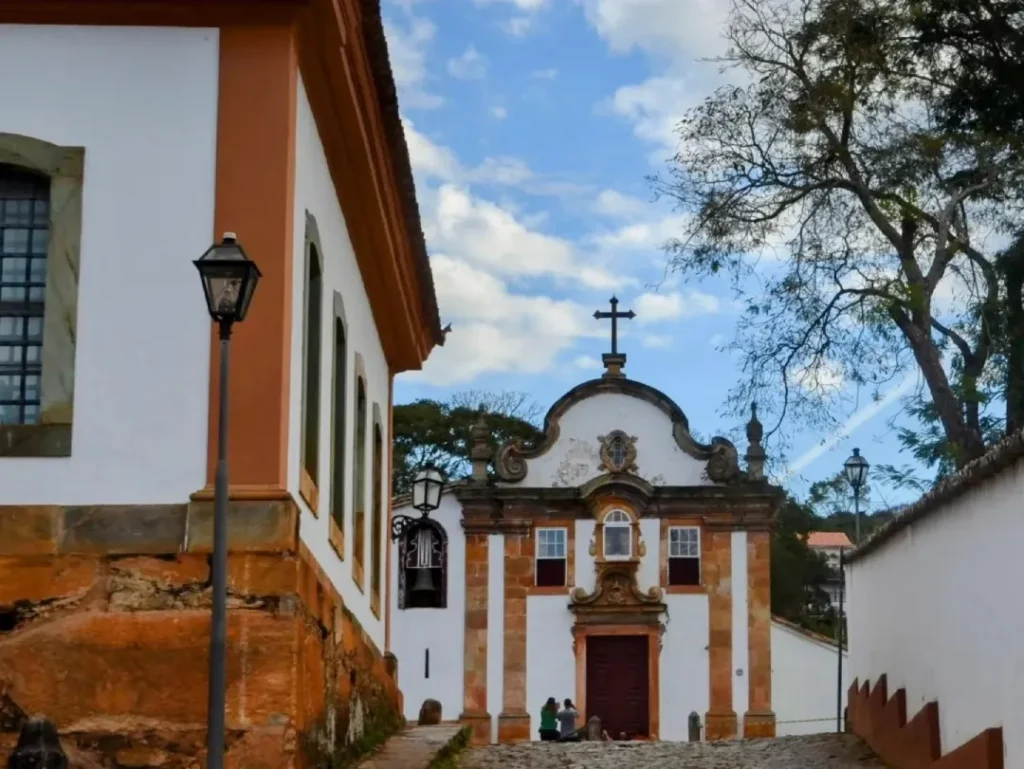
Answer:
(618, 452)
(720, 455)
(617, 594)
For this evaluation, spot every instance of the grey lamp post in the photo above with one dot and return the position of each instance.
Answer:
(856, 473)
(229, 281)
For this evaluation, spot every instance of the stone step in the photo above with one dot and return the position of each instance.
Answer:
(418, 747)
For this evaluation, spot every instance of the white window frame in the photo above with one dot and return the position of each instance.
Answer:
(626, 524)
(565, 550)
(683, 528)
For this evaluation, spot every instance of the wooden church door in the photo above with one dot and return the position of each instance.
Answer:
(617, 685)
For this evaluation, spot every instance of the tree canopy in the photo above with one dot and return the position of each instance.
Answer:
(437, 432)
(853, 218)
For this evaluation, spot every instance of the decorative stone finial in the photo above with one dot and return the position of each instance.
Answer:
(481, 449)
(755, 451)
(38, 747)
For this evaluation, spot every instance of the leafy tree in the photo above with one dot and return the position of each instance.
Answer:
(797, 572)
(437, 432)
(834, 156)
(831, 500)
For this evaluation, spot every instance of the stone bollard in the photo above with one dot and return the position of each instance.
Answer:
(430, 713)
(693, 725)
(594, 729)
(38, 747)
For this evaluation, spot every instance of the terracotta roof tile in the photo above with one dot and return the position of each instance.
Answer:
(828, 539)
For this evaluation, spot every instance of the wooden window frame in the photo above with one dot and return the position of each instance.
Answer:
(339, 425)
(312, 367)
(51, 436)
(538, 557)
(697, 558)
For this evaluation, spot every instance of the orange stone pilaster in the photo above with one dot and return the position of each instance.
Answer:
(759, 720)
(474, 711)
(720, 721)
(514, 720)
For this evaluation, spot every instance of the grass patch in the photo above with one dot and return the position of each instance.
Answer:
(447, 756)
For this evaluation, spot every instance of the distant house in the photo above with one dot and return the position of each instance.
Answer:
(829, 544)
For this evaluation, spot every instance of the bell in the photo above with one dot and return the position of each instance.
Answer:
(424, 583)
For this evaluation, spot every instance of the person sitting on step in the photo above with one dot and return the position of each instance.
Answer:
(567, 722)
(549, 721)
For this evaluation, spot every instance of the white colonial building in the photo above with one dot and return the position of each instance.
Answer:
(619, 563)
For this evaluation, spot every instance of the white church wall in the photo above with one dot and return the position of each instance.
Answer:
(740, 624)
(550, 661)
(315, 193)
(574, 460)
(496, 628)
(804, 682)
(586, 577)
(143, 103)
(649, 574)
(441, 631)
(934, 608)
(685, 667)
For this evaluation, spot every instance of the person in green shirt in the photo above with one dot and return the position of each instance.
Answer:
(549, 720)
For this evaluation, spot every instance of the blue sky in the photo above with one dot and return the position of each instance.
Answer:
(531, 126)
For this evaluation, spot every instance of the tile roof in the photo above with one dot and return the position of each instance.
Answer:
(828, 539)
(1002, 456)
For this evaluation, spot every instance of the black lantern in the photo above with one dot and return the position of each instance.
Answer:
(426, 497)
(229, 280)
(426, 490)
(856, 470)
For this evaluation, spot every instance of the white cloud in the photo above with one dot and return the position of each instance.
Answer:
(407, 49)
(683, 29)
(481, 232)
(498, 112)
(518, 26)
(647, 235)
(614, 204)
(495, 330)
(656, 341)
(587, 362)
(825, 378)
(435, 162)
(655, 107)
(545, 74)
(655, 308)
(522, 5)
(471, 65)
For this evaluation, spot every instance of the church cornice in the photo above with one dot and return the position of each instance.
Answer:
(720, 455)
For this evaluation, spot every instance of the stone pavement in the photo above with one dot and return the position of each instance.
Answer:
(413, 748)
(816, 751)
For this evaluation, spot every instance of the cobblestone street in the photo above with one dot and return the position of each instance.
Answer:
(818, 751)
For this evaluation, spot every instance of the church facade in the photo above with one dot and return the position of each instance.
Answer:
(619, 563)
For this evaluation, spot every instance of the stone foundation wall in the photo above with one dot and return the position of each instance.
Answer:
(104, 628)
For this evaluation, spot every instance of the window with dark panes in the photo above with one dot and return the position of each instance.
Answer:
(377, 526)
(311, 373)
(684, 555)
(338, 416)
(359, 483)
(24, 239)
(551, 557)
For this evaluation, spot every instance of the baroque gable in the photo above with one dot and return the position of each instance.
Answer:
(617, 425)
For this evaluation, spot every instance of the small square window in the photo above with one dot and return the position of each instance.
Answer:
(684, 555)
(551, 557)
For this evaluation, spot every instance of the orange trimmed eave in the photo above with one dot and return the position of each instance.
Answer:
(344, 66)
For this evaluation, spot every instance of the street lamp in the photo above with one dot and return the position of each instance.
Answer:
(229, 281)
(856, 473)
(426, 497)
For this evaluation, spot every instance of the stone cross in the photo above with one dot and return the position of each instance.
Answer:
(615, 315)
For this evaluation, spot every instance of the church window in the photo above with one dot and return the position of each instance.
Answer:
(618, 535)
(338, 418)
(617, 452)
(24, 242)
(377, 527)
(423, 572)
(551, 557)
(684, 555)
(359, 485)
(311, 376)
